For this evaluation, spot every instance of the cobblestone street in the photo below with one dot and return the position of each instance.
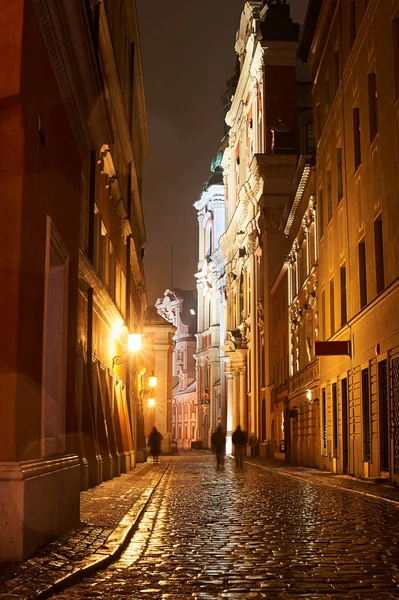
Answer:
(255, 533)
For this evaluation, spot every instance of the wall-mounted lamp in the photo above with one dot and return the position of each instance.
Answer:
(151, 402)
(152, 380)
(133, 345)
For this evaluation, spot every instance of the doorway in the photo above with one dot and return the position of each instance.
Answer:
(345, 428)
(383, 415)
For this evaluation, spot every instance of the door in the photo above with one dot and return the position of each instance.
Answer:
(345, 431)
(383, 415)
(395, 418)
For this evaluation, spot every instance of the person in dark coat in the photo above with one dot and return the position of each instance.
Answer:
(218, 441)
(154, 443)
(239, 440)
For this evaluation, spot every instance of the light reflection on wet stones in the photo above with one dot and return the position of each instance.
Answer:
(255, 534)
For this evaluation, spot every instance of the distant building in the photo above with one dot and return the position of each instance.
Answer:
(259, 162)
(179, 308)
(156, 405)
(211, 391)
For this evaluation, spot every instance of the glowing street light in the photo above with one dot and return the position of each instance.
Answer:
(152, 380)
(134, 342)
(133, 345)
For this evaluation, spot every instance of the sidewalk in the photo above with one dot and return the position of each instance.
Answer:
(367, 487)
(109, 513)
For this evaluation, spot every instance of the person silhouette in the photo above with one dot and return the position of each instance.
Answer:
(154, 443)
(218, 441)
(239, 440)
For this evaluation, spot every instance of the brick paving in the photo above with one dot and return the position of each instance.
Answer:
(268, 531)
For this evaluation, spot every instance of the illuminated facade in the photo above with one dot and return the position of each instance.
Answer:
(111, 299)
(73, 138)
(156, 402)
(179, 308)
(210, 320)
(302, 412)
(259, 163)
(352, 48)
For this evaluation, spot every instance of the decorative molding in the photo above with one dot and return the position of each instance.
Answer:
(65, 30)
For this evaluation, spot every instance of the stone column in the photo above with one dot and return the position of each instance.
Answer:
(229, 424)
(243, 400)
(236, 401)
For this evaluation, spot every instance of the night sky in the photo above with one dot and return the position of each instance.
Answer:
(188, 55)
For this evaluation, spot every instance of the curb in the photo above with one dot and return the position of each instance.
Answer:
(101, 558)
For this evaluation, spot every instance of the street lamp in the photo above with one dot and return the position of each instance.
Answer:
(133, 345)
(152, 380)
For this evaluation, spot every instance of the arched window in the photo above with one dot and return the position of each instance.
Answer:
(209, 238)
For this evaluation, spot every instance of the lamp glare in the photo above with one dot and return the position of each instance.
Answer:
(152, 380)
(151, 402)
(134, 342)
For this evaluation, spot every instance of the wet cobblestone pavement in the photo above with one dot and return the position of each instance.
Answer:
(255, 533)
(102, 510)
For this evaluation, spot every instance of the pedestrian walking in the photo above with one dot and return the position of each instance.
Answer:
(239, 440)
(218, 441)
(154, 443)
(253, 442)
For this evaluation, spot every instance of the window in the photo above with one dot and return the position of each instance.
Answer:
(323, 314)
(311, 247)
(362, 273)
(373, 108)
(379, 255)
(329, 197)
(118, 284)
(326, 98)
(310, 141)
(123, 295)
(111, 272)
(395, 40)
(356, 137)
(344, 316)
(336, 71)
(366, 414)
(335, 418)
(323, 421)
(96, 238)
(321, 216)
(131, 83)
(332, 313)
(318, 121)
(208, 240)
(55, 334)
(352, 22)
(340, 191)
(102, 256)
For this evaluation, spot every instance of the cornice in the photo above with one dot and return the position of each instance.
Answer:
(113, 84)
(66, 34)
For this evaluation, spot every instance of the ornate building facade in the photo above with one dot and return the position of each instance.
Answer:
(74, 135)
(352, 48)
(211, 397)
(259, 163)
(179, 308)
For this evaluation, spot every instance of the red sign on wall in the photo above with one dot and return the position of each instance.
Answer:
(332, 348)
